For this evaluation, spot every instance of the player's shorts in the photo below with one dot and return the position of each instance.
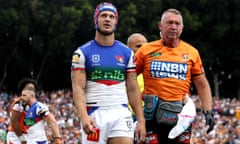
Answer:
(111, 121)
(12, 138)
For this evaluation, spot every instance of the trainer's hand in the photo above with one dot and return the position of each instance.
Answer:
(209, 120)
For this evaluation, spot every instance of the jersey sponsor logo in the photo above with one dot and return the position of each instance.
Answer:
(75, 58)
(94, 136)
(29, 122)
(115, 74)
(95, 58)
(162, 69)
(155, 54)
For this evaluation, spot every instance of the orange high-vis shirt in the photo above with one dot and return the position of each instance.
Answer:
(167, 71)
(17, 106)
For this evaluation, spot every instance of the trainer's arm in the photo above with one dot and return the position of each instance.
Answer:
(204, 91)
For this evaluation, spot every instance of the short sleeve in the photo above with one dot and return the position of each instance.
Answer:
(42, 110)
(78, 60)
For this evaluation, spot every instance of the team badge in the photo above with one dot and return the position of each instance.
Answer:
(185, 56)
(119, 59)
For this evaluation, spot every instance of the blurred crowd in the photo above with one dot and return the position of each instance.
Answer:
(227, 127)
(226, 131)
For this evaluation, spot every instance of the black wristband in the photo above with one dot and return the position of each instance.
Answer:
(208, 112)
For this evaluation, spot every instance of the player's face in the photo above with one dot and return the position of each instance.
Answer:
(27, 95)
(171, 26)
(106, 22)
(136, 43)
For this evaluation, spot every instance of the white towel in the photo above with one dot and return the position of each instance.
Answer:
(185, 118)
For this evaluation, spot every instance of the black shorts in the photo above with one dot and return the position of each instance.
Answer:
(158, 134)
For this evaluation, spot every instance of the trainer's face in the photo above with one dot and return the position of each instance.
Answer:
(106, 22)
(171, 26)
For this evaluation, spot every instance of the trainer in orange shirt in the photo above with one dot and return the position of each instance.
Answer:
(169, 66)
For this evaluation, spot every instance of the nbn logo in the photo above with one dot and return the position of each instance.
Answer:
(162, 69)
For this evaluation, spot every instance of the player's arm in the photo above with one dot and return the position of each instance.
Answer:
(78, 87)
(50, 119)
(134, 97)
(204, 91)
(14, 122)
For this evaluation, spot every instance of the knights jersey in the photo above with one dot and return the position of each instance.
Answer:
(34, 120)
(167, 71)
(18, 106)
(106, 68)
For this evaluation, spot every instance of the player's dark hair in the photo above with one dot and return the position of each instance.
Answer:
(22, 83)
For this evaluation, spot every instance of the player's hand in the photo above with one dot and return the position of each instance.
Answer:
(140, 132)
(209, 120)
(22, 139)
(23, 142)
(88, 125)
(57, 140)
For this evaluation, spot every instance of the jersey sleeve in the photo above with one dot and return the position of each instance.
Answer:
(197, 67)
(139, 61)
(131, 67)
(78, 60)
(17, 106)
(42, 110)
